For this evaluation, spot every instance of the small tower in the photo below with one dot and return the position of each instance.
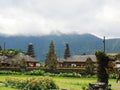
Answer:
(30, 50)
(67, 51)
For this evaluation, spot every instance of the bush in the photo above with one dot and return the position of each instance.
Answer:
(35, 72)
(51, 74)
(6, 72)
(41, 83)
(113, 76)
(69, 75)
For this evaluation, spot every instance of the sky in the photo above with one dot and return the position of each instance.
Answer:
(44, 17)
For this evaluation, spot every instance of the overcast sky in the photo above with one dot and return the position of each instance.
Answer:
(41, 17)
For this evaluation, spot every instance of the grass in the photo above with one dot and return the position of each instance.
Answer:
(63, 83)
(72, 83)
(6, 88)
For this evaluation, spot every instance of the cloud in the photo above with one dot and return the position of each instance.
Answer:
(41, 17)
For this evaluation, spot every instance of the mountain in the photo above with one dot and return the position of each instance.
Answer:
(113, 45)
(79, 44)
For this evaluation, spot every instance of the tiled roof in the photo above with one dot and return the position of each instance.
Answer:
(26, 57)
(78, 58)
(17, 57)
(3, 57)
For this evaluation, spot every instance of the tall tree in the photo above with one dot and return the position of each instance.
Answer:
(118, 56)
(30, 50)
(51, 58)
(67, 51)
(0, 50)
(102, 60)
(89, 66)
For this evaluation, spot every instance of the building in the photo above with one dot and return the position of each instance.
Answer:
(76, 61)
(3, 60)
(117, 62)
(18, 60)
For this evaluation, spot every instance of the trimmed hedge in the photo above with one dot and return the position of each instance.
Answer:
(35, 72)
(6, 72)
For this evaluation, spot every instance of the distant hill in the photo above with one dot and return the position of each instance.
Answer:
(79, 44)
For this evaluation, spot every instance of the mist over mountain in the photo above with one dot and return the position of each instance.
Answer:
(79, 44)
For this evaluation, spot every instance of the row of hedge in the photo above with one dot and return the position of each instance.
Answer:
(59, 70)
(43, 73)
(33, 72)
(18, 69)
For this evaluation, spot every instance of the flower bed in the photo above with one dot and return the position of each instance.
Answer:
(39, 83)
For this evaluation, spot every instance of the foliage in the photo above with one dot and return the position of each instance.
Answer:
(0, 50)
(38, 83)
(68, 83)
(35, 72)
(14, 62)
(10, 52)
(113, 76)
(67, 51)
(69, 75)
(23, 63)
(51, 58)
(9, 72)
(75, 75)
(102, 60)
(89, 66)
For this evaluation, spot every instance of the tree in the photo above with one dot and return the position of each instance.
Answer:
(89, 66)
(14, 62)
(1, 50)
(30, 50)
(23, 63)
(102, 60)
(67, 51)
(51, 58)
(118, 56)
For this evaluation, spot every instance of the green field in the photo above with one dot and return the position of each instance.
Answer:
(62, 82)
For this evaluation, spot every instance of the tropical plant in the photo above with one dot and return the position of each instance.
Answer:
(89, 66)
(102, 60)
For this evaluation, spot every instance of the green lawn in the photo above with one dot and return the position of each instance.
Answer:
(63, 83)
(78, 83)
(6, 88)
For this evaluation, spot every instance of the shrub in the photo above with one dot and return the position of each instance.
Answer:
(113, 75)
(51, 74)
(40, 83)
(69, 75)
(6, 72)
(35, 72)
